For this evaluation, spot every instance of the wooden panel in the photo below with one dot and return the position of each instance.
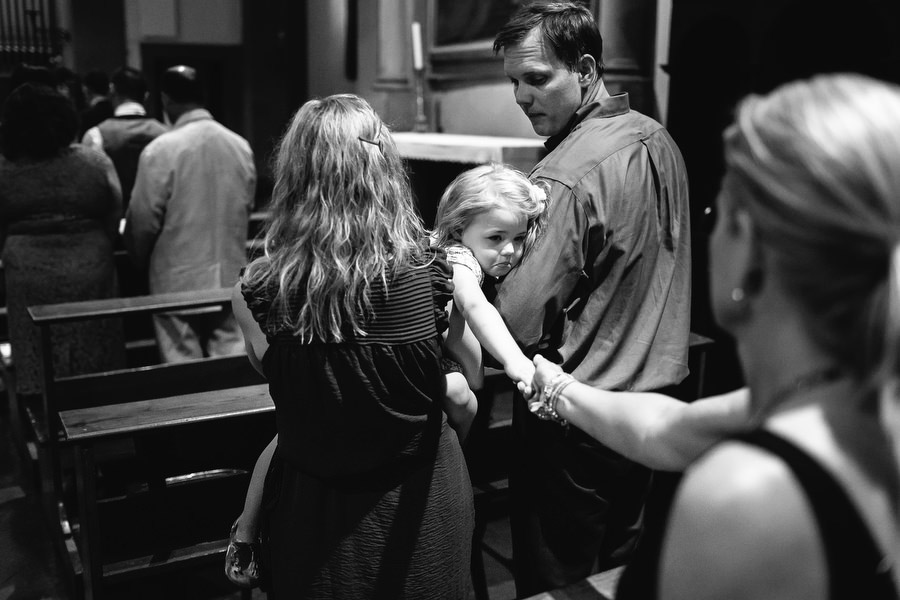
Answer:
(155, 381)
(95, 309)
(84, 424)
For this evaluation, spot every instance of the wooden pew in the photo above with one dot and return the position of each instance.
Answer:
(95, 390)
(170, 418)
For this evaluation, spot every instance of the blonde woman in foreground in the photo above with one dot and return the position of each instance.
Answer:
(791, 490)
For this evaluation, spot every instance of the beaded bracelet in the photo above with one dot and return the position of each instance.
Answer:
(546, 409)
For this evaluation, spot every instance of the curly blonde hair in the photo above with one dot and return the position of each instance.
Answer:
(342, 216)
(485, 188)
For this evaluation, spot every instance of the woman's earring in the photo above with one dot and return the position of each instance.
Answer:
(737, 294)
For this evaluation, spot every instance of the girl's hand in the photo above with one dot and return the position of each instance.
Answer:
(544, 373)
(522, 372)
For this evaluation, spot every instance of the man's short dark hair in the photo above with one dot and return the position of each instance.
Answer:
(180, 84)
(129, 83)
(96, 81)
(569, 28)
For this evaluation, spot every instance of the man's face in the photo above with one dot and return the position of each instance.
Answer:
(545, 88)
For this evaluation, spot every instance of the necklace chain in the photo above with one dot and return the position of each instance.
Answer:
(802, 383)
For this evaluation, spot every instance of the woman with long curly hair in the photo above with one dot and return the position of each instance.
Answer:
(367, 494)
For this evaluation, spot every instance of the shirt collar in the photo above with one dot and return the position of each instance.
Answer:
(129, 108)
(196, 114)
(608, 106)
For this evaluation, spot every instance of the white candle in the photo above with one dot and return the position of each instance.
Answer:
(418, 65)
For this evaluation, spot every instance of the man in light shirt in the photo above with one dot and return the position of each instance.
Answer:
(123, 136)
(188, 216)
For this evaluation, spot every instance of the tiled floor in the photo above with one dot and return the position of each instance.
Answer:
(29, 567)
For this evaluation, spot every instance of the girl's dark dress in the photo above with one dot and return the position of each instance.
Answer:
(368, 495)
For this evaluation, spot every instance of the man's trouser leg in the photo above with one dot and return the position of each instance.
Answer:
(176, 337)
(575, 505)
(224, 335)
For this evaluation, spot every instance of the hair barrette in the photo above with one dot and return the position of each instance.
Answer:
(373, 142)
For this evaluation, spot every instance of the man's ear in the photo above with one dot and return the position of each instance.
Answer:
(587, 70)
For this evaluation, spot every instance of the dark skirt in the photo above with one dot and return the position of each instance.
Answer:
(407, 539)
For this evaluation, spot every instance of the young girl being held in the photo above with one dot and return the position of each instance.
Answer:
(486, 220)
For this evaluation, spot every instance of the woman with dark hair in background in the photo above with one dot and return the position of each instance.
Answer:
(60, 205)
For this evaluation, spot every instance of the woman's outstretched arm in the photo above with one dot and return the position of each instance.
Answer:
(655, 430)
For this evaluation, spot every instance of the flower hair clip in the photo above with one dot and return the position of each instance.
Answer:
(537, 192)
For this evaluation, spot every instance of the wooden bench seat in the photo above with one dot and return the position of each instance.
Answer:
(169, 419)
(133, 469)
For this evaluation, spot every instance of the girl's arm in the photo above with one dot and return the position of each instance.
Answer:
(488, 325)
(255, 341)
(461, 345)
(655, 430)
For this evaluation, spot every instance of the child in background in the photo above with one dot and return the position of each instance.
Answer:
(487, 218)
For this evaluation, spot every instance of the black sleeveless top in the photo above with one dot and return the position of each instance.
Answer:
(857, 567)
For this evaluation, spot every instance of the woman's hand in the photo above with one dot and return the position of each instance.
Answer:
(544, 373)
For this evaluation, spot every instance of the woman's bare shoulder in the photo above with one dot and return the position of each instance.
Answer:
(740, 527)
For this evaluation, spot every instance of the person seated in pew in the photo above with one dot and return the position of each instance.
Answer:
(791, 487)
(367, 489)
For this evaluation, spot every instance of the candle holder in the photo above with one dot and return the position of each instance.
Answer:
(421, 123)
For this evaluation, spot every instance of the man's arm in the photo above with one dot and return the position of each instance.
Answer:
(93, 139)
(114, 216)
(147, 208)
(255, 341)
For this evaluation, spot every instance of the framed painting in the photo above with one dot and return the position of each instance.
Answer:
(463, 34)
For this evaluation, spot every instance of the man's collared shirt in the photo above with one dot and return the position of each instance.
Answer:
(94, 139)
(606, 289)
(191, 204)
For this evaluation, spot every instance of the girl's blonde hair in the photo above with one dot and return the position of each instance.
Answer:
(485, 188)
(342, 216)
